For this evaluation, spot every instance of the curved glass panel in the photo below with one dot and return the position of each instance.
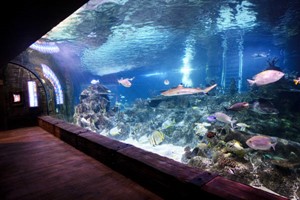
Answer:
(212, 84)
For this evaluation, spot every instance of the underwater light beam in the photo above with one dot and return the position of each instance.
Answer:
(240, 42)
(186, 69)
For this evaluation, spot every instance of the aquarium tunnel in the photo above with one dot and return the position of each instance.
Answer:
(210, 85)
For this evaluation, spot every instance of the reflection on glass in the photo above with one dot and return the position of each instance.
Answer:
(32, 92)
(49, 74)
(45, 47)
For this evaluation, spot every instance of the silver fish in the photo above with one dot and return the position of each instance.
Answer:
(260, 142)
(266, 77)
(224, 118)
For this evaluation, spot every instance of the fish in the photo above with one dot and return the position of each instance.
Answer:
(156, 138)
(243, 126)
(114, 131)
(224, 118)
(181, 90)
(231, 171)
(211, 118)
(238, 106)
(266, 77)
(234, 144)
(297, 81)
(260, 55)
(94, 81)
(263, 106)
(168, 123)
(260, 142)
(125, 82)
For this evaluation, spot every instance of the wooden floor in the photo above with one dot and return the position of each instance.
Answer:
(36, 165)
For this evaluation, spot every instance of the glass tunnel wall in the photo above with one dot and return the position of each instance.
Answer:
(24, 96)
(59, 88)
(212, 84)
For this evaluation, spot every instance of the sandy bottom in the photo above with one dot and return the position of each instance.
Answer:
(167, 150)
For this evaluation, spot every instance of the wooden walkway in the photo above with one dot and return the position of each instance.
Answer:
(36, 165)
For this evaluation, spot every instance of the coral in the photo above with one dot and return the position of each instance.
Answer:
(200, 163)
(226, 161)
(168, 123)
(216, 148)
(271, 178)
(210, 134)
(188, 154)
(93, 107)
(236, 148)
(272, 64)
(200, 128)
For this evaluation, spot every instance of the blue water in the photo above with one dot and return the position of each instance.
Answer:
(153, 41)
(190, 42)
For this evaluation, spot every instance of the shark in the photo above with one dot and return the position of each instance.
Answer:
(181, 90)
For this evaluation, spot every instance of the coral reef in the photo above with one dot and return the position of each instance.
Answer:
(209, 145)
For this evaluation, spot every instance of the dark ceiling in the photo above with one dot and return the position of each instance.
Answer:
(24, 22)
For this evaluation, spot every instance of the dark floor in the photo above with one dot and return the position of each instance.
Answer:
(36, 165)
